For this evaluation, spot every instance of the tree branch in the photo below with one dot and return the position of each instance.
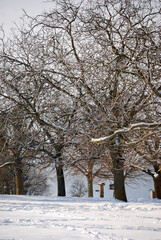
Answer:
(143, 170)
(141, 139)
(125, 130)
(7, 163)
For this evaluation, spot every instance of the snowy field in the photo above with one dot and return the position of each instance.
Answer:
(46, 218)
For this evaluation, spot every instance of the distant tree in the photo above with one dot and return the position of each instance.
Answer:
(35, 182)
(91, 161)
(78, 188)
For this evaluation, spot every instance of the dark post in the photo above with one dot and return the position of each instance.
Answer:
(101, 189)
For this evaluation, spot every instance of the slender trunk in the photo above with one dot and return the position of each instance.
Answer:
(157, 186)
(60, 180)
(19, 180)
(90, 186)
(118, 163)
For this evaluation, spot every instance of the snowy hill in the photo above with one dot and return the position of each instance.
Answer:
(44, 218)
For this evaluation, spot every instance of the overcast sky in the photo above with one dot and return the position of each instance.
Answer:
(11, 10)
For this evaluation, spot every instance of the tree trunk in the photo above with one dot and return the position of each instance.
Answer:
(90, 186)
(118, 163)
(157, 186)
(19, 180)
(60, 180)
(60, 171)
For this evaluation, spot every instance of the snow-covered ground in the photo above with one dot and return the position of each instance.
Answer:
(53, 218)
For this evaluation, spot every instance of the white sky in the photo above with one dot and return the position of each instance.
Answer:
(11, 11)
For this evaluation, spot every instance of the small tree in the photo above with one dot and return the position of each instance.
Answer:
(35, 182)
(91, 161)
(78, 189)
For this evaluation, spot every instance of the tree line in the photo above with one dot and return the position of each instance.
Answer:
(81, 90)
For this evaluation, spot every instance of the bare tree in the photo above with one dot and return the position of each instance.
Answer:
(78, 189)
(126, 33)
(89, 160)
(16, 137)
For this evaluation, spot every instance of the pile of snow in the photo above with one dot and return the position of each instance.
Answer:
(46, 218)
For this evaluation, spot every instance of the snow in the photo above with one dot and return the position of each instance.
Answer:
(53, 218)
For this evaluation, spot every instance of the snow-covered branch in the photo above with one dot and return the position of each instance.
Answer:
(145, 171)
(5, 164)
(125, 130)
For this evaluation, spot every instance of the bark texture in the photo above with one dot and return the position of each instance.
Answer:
(90, 186)
(19, 180)
(118, 163)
